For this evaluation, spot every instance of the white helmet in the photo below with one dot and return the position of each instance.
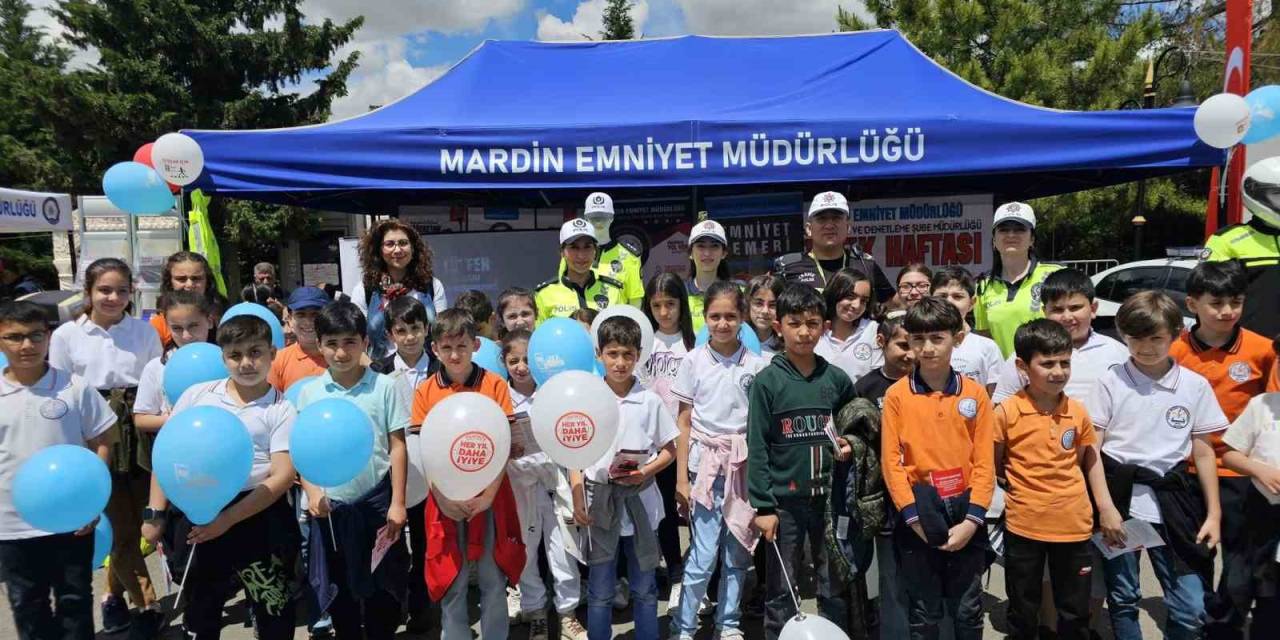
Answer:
(1261, 191)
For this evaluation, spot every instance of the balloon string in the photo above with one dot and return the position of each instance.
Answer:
(782, 564)
(1222, 179)
(186, 574)
(333, 537)
(586, 494)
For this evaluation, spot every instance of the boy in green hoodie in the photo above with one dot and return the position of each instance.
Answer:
(790, 444)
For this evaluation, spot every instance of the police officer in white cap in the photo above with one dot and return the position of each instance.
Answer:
(616, 259)
(827, 225)
(578, 286)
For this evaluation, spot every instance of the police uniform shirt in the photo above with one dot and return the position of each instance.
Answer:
(1257, 246)
(1001, 307)
(559, 297)
(1150, 422)
(111, 358)
(58, 409)
(805, 269)
(620, 261)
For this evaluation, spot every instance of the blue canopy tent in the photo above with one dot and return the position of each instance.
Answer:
(866, 110)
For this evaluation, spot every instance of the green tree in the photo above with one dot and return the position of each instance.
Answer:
(1072, 54)
(618, 24)
(30, 66)
(166, 65)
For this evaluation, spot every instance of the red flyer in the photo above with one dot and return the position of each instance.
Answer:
(949, 482)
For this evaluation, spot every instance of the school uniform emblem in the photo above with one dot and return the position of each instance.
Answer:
(1068, 439)
(968, 407)
(1240, 372)
(862, 351)
(746, 380)
(1178, 417)
(53, 409)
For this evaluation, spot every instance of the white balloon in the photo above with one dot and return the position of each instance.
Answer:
(811, 627)
(465, 444)
(575, 418)
(415, 487)
(627, 311)
(178, 158)
(1222, 120)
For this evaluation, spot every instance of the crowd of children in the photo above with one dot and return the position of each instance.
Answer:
(862, 438)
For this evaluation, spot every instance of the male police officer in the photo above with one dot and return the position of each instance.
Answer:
(827, 225)
(1257, 245)
(615, 259)
(578, 286)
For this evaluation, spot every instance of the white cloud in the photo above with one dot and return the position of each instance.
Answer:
(394, 18)
(384, 76)
(765, 17)
(40, 18)
(587, 22)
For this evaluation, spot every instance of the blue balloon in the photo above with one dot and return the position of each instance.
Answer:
(4, 362)
(61, 488)
(291, 394)
(560, 344)
(202, 458)
(745, 333)
(135, 188)
(195, 363)
(258, 311)
(1264, 109)
(331, 443)
(102, 539)
(489, 356)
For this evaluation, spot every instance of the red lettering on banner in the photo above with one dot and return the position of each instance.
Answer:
(934, 248)
(575, 430)
(471, 451)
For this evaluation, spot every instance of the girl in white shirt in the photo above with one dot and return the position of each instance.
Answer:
(109, 349)
(516, 310)
(850, 343)
(761, 298)
(543, 501)
(189, 316)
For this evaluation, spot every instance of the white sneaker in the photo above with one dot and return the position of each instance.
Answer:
(731, 634)
(571, 629)
(673, 600)
(514, 616)
(621, 595)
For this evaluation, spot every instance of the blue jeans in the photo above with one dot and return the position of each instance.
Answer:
(601, 584)
(49, 582)
(709, 536)
(1183, 595)
(454, 623)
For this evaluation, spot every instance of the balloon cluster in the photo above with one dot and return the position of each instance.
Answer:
(1226, 119)
(147, 184)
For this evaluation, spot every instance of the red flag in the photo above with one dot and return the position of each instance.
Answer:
(1235, 80)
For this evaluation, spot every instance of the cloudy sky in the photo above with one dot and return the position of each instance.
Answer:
(405, 44)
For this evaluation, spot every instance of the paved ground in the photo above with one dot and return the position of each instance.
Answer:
(235, 614)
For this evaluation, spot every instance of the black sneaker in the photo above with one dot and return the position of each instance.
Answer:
(115, 615)
(146, 625)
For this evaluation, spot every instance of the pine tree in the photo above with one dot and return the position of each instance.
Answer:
(618, 24)
(30, 66)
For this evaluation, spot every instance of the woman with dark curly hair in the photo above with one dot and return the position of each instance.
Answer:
(395, 262)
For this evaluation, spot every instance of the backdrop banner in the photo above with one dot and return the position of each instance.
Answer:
(33, 211)
(936, 230)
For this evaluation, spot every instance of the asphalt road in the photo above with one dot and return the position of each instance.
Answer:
(235, 614)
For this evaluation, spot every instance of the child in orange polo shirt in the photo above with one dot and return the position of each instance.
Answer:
(1237, 363)
(937, 458)
(1045, 449)
(489, 521)
(301, 359)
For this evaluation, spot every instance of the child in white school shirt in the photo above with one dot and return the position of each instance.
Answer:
(1151, 414)
(544, 502)
(975, 356)
(1254, 450)
(617, 498)
(711, 460)
(850, 342)
(41, 406)
(109, 348)
(254, 537)
(189, 316)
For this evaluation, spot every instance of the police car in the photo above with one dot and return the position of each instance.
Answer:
(1116, 284)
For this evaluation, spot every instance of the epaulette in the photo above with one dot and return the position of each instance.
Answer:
(1230, 227)
(546, 284)
(610, 281)
(627, 244)
(787, 260)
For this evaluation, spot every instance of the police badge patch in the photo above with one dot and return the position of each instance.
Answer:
(602, 300)
(616, 265)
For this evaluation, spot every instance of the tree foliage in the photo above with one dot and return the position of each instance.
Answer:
(1070, 54)
(618, 24)
(30, 65)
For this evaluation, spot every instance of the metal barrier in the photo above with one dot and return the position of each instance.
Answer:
(1089, 267)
